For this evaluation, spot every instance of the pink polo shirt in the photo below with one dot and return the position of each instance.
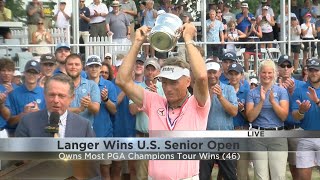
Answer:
(189, 117)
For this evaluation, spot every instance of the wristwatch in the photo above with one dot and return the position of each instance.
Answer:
(191, 42)
(317, 103)
(106, 100)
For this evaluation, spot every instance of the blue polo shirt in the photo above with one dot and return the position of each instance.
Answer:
(83, 73)
(86, 87)
(21, 96)
(244, 23)
(218, 118)
(102, 124)
(242, 94)
(267, 117)
(124, 123)
(225, 80)
(3, 122)
(311, 118)
(290, 120)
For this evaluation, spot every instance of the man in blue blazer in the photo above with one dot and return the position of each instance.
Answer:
(59, 93)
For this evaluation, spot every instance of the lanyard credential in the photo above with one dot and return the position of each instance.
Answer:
(172, 124)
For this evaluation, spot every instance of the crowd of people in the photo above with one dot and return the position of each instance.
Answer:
(122, 97)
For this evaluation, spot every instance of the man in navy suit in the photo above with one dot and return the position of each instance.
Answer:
(59, 93)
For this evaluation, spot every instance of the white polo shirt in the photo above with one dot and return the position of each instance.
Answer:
(101, 8)
(61, 21)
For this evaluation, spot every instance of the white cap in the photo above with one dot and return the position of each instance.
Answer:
(108, 55)
(93, 59)
(173, 72)
(161, 12)
(118, 63)
(213, 66)
(254, 81)
(17, 73)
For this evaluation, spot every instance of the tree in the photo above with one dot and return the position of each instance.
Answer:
(17, 8)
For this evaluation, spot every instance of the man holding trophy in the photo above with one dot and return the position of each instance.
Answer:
(181, 111)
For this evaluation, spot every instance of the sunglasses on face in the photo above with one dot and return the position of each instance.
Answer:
(104, 72)
(107, 58)
(40, 23)
(286, 65)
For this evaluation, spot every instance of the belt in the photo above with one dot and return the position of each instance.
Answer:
(141, 134)
(196, 177)
(241, 127)
(290, 127)
(274, 129)
(98, 22)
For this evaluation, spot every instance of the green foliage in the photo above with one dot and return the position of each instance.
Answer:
(17, 8)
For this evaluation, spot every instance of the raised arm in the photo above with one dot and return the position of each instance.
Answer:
(124, 77)
(197, 65)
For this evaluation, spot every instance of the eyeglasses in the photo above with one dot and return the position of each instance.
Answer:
(104, 72)
(218, 11)
(81, 1)
(40, 23)
(286, 65)
(107, 58)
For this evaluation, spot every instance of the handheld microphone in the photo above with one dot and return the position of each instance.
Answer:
(53, 126)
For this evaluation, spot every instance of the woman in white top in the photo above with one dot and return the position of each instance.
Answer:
(43, 37)
(295, 46)
(308, 31)
(266, 21)
(233, 35)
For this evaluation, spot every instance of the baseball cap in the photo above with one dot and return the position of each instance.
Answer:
(244, 5)
(17, 73)
(173, 72)
(284, 58)
(93, 59)
(47, 58)
(108, 55)
(153, 62)
(213, 66)
(235, 67)
(265, 7)
(253, 19)
(293, 18)
(115, 4)
(63, 45)
(141, 58)
(32, 64)
(220, 2)
(254, 81)
(229, 56)
(264, 1)
(188, 15)
(313, 64)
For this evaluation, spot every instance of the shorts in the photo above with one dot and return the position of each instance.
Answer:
(308, 152)
(295, 48)
(106, 162)
(306, 45)
(267, 36)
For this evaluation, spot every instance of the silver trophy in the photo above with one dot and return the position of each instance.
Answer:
(166, 32)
